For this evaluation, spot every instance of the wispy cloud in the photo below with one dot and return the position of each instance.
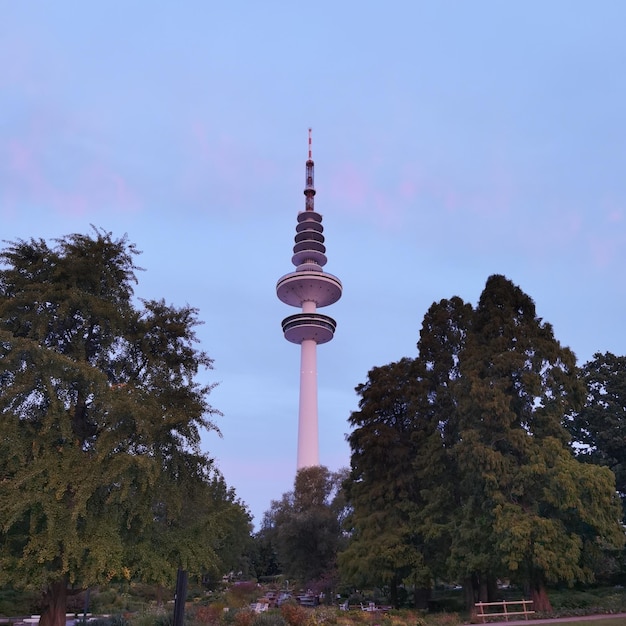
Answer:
(49, 168)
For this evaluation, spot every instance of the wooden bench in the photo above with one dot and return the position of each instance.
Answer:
(487, 610)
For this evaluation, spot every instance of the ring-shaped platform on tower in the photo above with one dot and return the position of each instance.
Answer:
(319, 287)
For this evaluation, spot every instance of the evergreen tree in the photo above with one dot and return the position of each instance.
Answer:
(599, 428)
(443, 337)
(381, 490)
(401, 488)
(102, 474)
(461, 465)
(529, 510)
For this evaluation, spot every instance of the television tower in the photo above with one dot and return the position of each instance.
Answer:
(310, 288)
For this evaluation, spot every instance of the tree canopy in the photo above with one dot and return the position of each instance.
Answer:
(461, 464)
(599, 428)
(304, 526)
(102, 412)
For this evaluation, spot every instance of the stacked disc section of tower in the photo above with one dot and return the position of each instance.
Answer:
(309, 286)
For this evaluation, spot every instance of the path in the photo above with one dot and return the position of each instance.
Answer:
(558, 620)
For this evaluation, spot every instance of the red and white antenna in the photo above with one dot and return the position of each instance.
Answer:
(309, 189)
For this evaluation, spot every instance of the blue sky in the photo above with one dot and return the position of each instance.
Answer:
(452, 140)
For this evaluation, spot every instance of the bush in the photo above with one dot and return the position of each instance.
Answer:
(322, 616)
(104, 601)
(241, 594)
(157, 617)
(244, 617)
(269, 619)
(294, 614)
(207, 614)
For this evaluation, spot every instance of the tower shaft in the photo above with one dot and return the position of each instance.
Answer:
(308, 437)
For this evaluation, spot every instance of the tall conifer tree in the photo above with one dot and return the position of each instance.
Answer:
(460, 457)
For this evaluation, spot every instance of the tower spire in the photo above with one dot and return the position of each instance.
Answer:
(309, 189)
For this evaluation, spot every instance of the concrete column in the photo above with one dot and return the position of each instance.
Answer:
(308, 445)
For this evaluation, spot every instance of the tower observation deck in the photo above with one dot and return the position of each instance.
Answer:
(308, 288)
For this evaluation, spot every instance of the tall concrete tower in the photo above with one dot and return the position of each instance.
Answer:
(310, 288)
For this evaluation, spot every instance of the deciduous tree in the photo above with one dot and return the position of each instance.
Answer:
(101, 469)
(305, 525)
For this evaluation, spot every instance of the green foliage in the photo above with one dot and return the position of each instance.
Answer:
(271, 618)
(461, 466)
(599, 427)
(13, 602)
(304, 526)
(322, 616)
(152, 617)
(101, 412)
(241, 594)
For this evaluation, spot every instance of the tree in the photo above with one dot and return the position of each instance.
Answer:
(305, 526)
(599, 428)
(382, 490)
(528, 509)
(101, 471)
(401, 486)
(461, 465)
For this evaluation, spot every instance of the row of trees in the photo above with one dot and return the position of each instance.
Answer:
(101, 472)
(462, 459)
(462, 462)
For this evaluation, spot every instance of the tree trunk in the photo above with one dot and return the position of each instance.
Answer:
(469, 594)
(539, 596)
(422, 596)
(492, 588)
(483, 589)
(393, 594)
(54, 604)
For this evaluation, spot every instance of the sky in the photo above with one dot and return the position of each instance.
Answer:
(452, 140)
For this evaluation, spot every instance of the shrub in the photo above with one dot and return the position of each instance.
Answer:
(322, 616)
(154, 617)
(294, 614)
(104, 601)
(241, 594)
(207, 614)
(244, 617)
(269, 619)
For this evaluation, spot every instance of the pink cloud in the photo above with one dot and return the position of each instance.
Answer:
(42, 167)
